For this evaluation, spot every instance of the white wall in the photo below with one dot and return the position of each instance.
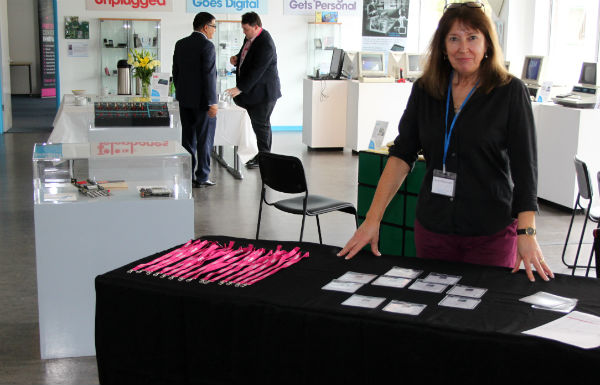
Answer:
(288, 31)
(23, 35)
(7, 115)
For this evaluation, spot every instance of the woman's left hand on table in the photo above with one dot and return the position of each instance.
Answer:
(529, 252)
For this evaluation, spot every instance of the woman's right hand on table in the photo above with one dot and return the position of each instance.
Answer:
(367, 233)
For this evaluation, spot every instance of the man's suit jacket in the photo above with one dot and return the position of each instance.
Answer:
(257, 77)
(194, 72)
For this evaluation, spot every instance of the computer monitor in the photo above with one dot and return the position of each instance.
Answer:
(371, 64)
(588, 74)
(350, 65)
(413, 66)
(337, 59)
(395, 64)
(532, 69)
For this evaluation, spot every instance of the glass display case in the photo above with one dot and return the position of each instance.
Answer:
(110, 171)
(322, 39)
(228, 40)
(117, 37)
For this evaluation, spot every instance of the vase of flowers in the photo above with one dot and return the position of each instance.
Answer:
(144, 64)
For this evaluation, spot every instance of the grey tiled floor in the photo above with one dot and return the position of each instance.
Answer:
(229, 208)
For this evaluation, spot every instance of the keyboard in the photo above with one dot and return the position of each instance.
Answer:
(378, 79)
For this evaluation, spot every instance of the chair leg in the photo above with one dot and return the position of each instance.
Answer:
(587, 212)
(592, 253)
(262, 196)
(569, 232)
(302, 228)
(319, 229)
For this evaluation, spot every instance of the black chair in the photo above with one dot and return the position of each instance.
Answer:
(285, 174)
(596, 247)
(587, 193)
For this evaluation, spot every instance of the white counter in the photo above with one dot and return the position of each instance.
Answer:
(369, 102)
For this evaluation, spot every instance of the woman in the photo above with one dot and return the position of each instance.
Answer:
(474, 123)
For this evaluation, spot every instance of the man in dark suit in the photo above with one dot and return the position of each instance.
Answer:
(195, 78)
(257, 81)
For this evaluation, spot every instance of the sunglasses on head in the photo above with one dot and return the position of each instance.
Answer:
(470, 4)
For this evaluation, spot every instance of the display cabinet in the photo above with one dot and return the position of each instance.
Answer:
(140, 203)
(322, 39)
(117, 37)
(228, 40)
(121, 169)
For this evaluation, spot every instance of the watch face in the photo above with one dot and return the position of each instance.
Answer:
(530, 231)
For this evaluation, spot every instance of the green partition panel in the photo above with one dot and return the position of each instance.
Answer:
(394, 213)
(390, 240)
(409, 244)
(365, 197)
(369, 168)
(396, 236)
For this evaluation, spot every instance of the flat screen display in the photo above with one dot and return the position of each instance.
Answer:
(414, 63)
(533, 68)
(372, 62)
(336, 63)
(588, 74)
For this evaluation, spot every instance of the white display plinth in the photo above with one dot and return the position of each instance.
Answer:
(369, 102)
(562, 133)
(79, 236)
(324, 113)
(75, 242)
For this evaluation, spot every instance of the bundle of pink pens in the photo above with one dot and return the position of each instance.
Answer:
(208, 261)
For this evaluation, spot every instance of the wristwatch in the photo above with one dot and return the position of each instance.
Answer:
(526, 231)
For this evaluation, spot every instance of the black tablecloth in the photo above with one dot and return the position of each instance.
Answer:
(287, 330)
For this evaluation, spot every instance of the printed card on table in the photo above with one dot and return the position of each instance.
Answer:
(460, 302)
(431, 287)
(403, 272)
(345, 286)
(351, 276)
(363, 301)
(401, 307)
(386, 280)
(467, 291)
(442, 278)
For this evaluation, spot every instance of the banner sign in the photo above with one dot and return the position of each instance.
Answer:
(228, 6)
(309, 7)
(130, 5)
(47, 48)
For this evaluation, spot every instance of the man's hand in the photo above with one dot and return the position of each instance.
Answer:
(233, 92)
(233, 60)
(212, 111)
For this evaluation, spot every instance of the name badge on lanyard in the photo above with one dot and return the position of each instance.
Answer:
(444, 182)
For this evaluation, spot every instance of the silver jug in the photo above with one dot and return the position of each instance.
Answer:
(124, 78)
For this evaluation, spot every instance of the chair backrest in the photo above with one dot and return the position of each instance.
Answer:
(583, 179)
(282, 173)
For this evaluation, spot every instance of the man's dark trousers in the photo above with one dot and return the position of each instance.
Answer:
(198, 136)
(260, 117)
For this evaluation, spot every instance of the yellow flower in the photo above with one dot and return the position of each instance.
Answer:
(155, 63)
(129, 59)
(136, 64)
(150, 66)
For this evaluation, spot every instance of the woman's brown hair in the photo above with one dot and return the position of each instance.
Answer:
(437, 68)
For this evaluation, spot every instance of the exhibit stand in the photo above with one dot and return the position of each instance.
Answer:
(370, 102)
(396, 233)
(324, 113)
(562, 133)
(83, 229)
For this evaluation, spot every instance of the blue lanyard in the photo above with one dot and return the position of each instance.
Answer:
(448, 134)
